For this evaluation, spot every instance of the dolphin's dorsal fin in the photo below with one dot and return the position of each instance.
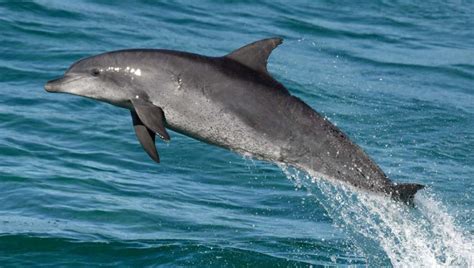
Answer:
(255, 55)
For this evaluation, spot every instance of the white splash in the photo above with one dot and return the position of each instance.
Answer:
(423, 236)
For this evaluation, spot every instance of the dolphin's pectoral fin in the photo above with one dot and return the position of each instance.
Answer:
(146, 137)
(255, 55)
(152, 117)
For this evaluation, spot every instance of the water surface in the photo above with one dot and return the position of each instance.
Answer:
(77, 189)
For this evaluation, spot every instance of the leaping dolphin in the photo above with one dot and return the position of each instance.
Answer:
(230, 101)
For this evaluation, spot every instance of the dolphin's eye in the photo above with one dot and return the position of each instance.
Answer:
(95, 72)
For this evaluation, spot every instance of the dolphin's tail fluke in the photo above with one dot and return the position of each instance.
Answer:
(405, 192)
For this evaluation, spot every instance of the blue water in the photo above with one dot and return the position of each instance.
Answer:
(76, 188)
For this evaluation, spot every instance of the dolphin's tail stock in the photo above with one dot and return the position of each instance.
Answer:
(405, 192)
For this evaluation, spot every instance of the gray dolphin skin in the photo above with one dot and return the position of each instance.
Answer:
(230, 101)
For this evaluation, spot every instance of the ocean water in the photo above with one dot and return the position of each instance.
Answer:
(76, 188)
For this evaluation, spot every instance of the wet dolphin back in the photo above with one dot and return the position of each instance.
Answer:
(304, 138)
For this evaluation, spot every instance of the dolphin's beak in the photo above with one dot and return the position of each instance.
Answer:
(53, 85)
(56, 85)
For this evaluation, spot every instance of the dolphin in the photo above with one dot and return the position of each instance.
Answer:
(230, 101)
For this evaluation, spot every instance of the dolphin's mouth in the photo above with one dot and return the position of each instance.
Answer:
(52, 85)
(55, 85)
